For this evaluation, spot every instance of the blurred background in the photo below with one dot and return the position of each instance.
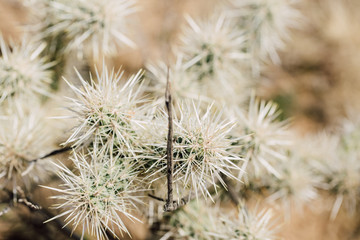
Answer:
(317, 84)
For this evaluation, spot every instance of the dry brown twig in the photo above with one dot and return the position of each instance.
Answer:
(53, 153)
(169, 206)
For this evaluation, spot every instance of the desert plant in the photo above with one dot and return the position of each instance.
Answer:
(192, 123)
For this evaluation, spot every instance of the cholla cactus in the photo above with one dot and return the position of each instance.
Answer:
(201, 150)
(96, 26)
(23, 138)
(252, 225)
(342, 178)
(197, 221)
(95, 198)
(121, 141)
(213, 48)
(184, 83)
(108, 113)
(22, 69)
(210, 54)
(266, 139)
(298, 184)
(341, 172)
(203, 221)
(214, 56)
(266, 24)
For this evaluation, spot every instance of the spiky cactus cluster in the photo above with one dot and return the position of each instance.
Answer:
(266, 25)
(23, 71)
(265, 139)
(23, 139)
(203, 221)
(201, 150)
(224, 138)
(340, 171)
(93, 27)
(108, 114)
(25, 77)
(97, 196)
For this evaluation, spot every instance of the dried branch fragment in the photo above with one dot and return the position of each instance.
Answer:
(53, 153)
(176, 204)
(157, 198)
(169, 206)
(23, 199)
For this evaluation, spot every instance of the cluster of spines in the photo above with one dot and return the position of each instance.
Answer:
(112, 119)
